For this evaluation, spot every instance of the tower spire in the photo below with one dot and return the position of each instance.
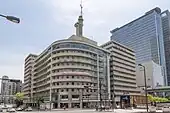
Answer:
(79, 24)
(81, 6)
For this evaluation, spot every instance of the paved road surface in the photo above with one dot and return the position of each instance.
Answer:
(88, 111)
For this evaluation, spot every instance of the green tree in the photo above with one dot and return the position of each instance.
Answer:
(150, 98)
(19, 98)
(157, 99)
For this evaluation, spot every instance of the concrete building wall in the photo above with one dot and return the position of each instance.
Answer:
(68, 73)
(28, 70)
(122, 70)
(157, 75)
(154, 76)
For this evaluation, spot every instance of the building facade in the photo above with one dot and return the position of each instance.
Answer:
(145, 36)
(9, 87)
(166, 34)
(28, 77)
(73, 72)
(154, 75)
(122, 70)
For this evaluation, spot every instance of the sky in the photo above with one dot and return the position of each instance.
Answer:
(45, 21)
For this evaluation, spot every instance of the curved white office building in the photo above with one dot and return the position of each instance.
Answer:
(73, 72)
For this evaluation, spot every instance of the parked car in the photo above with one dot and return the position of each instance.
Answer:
(11, 110)
(152, 109)
(4, 107)
(19, 109)
(28, 109)
(166, 109)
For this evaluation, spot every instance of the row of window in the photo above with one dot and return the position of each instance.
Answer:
(72, 83)
(92, 72)
(79, 46)
(75, 51)
(75, 64)
(75, 90)
(71, 58)
(72, 76)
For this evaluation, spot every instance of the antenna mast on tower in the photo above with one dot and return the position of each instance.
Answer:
(81, 6)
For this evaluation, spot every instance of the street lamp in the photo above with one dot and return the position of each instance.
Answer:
(146, 94)
(11, 18)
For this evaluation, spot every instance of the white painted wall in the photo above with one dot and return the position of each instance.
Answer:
(154, 74)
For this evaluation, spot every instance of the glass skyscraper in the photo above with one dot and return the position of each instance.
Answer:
(145, 36)
(166, 34)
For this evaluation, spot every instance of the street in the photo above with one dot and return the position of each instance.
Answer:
(90, 111)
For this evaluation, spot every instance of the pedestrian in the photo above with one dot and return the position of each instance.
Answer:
(96, 108)
(64, 107)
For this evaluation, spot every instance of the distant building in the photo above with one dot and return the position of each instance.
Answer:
(122, 70)
(154, 75)
(166, 35)
(9, 87)
(145, 36)
(28, 77)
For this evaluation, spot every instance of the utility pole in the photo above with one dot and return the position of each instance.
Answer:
(146, 93)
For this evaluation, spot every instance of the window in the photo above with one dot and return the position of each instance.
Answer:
(64, 96)
(72, 90)
(57, 83)
(67, 76)
(67, 83)
(75, 96)
(72, 83)
(72, 76)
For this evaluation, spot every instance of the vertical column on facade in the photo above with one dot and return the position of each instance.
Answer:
(50, 98)
(58, 101)
(98, 78)
(69, 100)
(108, 76)
(81, 98)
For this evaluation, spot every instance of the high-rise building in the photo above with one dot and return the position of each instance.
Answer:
(144, 35)
(72, 72)
(28, 76)
(122, 70)
(9, 87)
(4, 85)
(166, 34)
